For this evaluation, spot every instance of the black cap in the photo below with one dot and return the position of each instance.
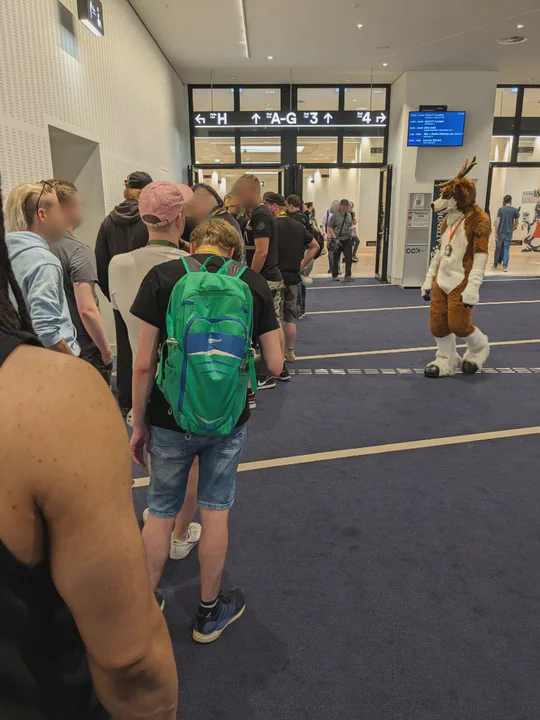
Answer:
(275, 198)
(138, 180)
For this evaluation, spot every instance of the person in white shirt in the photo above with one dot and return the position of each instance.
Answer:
(161, 206)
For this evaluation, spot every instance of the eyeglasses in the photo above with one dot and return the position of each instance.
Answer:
(43, 183)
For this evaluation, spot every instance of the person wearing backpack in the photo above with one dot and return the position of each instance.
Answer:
(204, 312)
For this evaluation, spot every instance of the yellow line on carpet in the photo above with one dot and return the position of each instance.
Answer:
(378, 450)
(397, 351)
(415, 307)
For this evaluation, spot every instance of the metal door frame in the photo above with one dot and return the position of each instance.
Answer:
(381, 273)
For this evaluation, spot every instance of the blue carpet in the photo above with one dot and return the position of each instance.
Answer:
(381, 588)
(393, 587)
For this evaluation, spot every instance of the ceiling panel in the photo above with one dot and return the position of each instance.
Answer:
(207, 40)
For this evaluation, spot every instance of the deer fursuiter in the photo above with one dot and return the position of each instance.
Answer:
(455, 275)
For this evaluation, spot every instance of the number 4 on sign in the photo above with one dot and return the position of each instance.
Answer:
(367, 117)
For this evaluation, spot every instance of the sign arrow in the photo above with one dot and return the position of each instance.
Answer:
(381, 118)
(328, 117)
(256, 117)
(200, 120)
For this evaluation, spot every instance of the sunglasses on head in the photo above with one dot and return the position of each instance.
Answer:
(43, 184)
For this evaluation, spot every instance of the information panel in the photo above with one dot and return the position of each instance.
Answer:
(313, 119)
(436, 129)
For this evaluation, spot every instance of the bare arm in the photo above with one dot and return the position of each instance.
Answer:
(82, 485)
(144, 376)
(261, 253)
(91, 318)
(272, 351)
(313, 249)
(61, 347)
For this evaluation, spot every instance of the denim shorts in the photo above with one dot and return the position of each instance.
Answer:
(172, 456)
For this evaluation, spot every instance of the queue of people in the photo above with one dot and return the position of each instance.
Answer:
(198, 287)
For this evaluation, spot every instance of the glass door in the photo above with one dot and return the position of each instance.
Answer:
(383, 230)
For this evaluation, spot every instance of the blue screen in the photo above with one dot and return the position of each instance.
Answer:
(436, 129)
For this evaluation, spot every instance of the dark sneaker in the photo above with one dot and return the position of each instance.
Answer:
(251, 400)
(335, 279)
(159, 599)
(355, 259)
(285, 375)
(349, 279)
(265, 383)
(208, 628)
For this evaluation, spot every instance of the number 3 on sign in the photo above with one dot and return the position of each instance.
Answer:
(314, 118)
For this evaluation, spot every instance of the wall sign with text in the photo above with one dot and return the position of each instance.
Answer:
(316, 118)
(91, 15)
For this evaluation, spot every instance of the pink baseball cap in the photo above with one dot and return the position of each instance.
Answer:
(160, 203)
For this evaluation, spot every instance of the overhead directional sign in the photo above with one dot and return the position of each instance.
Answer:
(315, 118)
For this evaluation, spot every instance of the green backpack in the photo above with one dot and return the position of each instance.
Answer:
(208, 360)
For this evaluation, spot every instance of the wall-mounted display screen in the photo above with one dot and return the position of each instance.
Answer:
(436, 129)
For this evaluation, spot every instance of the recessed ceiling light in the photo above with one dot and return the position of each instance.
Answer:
(385, 64)
(383, 47)
(532, 79)
(359, 26)
(354, 100)
(270, 57)
(520, 26)
(512, 40)
(347, 79)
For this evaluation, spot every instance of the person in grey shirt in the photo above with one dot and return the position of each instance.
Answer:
(80, 277)
(506, 223)
(340, 241)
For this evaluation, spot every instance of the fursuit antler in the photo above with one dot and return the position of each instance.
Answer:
(465, 170)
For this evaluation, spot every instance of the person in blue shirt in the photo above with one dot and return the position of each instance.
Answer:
(507, 221)
(34, 219)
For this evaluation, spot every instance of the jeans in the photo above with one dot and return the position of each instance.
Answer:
(172, 455)
(356, 245)
(124, 368)
(346, 249)
(502, 250)
(331, 262)
(94, 358)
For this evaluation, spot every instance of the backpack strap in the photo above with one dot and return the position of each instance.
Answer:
(191, 264)
(231, 268)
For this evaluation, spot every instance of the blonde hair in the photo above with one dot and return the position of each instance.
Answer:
(218, 232)
(21, 205)
(230, 199)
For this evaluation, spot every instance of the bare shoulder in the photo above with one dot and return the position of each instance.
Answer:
(55, 410)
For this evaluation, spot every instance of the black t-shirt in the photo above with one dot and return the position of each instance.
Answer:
(151, 306)
(301, 218)
(293, 239)
(261, 224)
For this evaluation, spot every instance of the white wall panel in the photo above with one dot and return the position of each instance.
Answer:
(119, 91)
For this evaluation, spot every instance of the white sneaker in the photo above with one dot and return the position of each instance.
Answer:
(180, 549)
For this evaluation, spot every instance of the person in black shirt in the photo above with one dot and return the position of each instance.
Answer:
(262, 252)
(172, 450)
(72, 561)
(122, 231)
(294, 240)
(294, 210)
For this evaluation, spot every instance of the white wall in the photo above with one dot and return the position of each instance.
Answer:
(415, 169)
(359, 185)
(119, 91)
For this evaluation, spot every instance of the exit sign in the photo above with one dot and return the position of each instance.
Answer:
(91, 15)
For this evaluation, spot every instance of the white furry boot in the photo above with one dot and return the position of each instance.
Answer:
(447, 360)
(477, 352)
